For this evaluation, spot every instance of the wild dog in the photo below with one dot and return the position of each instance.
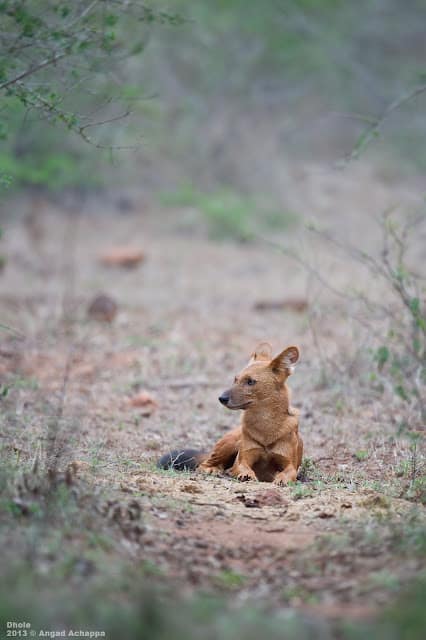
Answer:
(266, 446)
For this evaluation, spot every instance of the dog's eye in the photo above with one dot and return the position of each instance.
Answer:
(250, 381)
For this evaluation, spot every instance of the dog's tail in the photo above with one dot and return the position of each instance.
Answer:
(181, 460)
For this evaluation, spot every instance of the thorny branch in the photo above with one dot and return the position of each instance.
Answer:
(376, 123)
(58, 39)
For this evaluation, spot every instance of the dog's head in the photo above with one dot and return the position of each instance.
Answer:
(262, 378)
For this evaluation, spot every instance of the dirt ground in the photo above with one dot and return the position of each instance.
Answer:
(339, 543)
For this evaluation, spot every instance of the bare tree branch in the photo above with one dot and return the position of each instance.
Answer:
(376, 123)
(32, 70)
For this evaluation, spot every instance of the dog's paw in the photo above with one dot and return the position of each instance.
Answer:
(280, 481)
(284, 477)
(245, 476)
(212, 471)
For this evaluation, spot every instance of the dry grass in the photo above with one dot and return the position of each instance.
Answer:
(340, 544)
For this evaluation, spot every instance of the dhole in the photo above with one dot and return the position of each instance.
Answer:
(266, 446)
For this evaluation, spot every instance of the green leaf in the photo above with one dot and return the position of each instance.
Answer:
(415, 306)
(3, 131)
(4, 390)
(382, 356)
(137, 48)
(111, 20)
(400, 274)
(361, 455)
(402, 393)
(417, 345)
(5, 180)
(421, 323)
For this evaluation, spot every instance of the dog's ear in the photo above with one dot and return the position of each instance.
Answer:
(263, 351)
(283, 363)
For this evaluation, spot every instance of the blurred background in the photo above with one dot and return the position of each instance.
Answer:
(232, 99)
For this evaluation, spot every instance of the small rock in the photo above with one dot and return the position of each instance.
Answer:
(125, 204)
(84, 567)
(126, 257)
(125, 488)
(298, 305)
(78, 465)
(102, 308)
(201, 544)
(84, 371)
(266, 498)
(144, 400)
(293, 516)
(248, 501)
(22, 506)
(271, 498)
(191, 488)
(376, 501)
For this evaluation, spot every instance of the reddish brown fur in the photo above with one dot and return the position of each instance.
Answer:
(266, 446)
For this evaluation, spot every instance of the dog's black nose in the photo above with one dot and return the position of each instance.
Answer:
(224, 399)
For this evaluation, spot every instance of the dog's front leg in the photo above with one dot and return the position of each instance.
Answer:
(242, 468)
(214, 470)
(224, 453)
(287, 458)
(289, 474)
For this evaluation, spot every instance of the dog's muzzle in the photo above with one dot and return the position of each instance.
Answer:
(224, 399)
